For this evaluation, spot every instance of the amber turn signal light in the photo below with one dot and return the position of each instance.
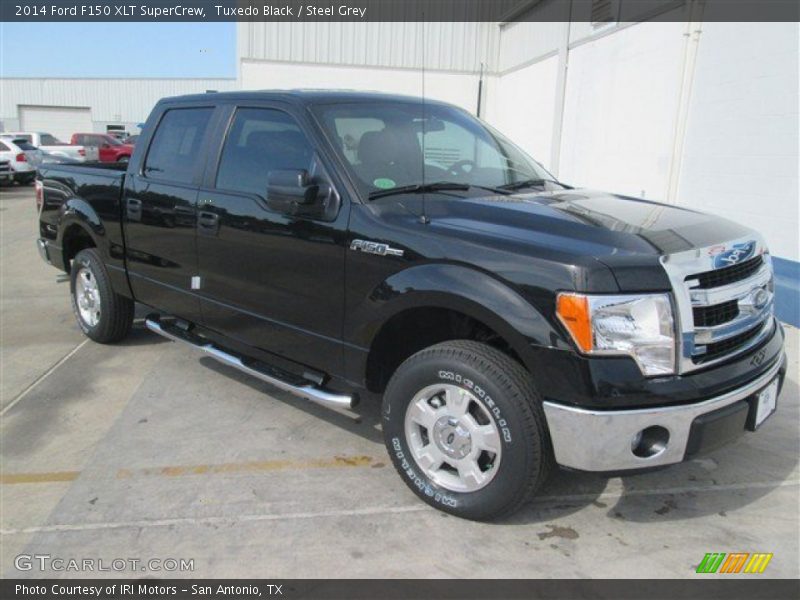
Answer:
(573, 312)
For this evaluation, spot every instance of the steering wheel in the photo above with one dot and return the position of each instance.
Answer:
(462, 167)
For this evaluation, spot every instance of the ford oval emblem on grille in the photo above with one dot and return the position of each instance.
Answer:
(737, 254)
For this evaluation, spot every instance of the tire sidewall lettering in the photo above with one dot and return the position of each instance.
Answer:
(421, 483)
(458, 378)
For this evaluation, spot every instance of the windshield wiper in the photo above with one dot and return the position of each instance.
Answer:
(437, 186)
(518, 185)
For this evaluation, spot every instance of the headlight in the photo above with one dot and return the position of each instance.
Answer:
(639, 326)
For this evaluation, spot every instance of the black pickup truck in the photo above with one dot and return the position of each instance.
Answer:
(343, 244)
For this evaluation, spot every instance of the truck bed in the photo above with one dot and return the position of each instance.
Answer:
(81, 193)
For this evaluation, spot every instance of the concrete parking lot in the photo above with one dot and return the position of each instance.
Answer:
(147, 450)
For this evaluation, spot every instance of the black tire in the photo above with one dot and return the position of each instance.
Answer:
(124, 159)
(116, 312)
(500, 382)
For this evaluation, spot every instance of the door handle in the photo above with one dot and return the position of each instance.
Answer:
(134, 209)
(208, 222)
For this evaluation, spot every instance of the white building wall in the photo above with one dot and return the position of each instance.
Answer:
(741, 155)
(523, 42)
(371, 56)
(522, 106)
(443, 46)
(620, 110)
(457, 88)
(112, 101)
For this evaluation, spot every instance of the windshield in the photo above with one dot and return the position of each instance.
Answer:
(385, 144)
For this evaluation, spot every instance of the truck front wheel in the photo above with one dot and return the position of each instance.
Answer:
(102, 314)
(464, 427)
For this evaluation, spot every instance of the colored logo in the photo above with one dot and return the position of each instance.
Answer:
(735, 562)
(737, 254)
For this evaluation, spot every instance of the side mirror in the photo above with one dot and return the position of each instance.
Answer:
(106, 145)
(287, 188)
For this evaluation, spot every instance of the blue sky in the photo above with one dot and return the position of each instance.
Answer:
(118, 50)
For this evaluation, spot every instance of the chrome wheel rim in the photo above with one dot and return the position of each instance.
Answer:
(453, 438)
(87, 297)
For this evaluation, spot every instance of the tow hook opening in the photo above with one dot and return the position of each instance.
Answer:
(650, 442)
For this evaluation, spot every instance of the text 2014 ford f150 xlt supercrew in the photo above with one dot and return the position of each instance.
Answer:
(334, 243)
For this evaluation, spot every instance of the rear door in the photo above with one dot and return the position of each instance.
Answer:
(160, 200)
(270, 279)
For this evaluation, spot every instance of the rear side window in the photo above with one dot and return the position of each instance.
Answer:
(24, 145)
(4, 148)
(261, 140)
(175, 149)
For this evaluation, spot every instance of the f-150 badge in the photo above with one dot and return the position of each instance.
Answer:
(375, 248)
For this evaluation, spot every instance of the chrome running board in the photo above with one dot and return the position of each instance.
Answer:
(306, 391)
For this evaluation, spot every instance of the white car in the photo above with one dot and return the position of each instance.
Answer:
(23, 158)
(6, 176)
(48, 143)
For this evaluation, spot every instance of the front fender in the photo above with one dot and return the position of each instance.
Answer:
(472, 292)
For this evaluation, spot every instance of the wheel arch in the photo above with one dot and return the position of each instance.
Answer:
(440, 302)
(79, 227)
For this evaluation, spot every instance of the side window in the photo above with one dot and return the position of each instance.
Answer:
(350, 130)
(261, 140)
(4, 148)
(175, 149)
(48, 140)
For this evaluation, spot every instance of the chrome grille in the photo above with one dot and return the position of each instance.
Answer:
(721, 312)
(708, 316)
(726, 346)
(726, 275)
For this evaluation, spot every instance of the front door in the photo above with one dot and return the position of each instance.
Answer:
(270, 279)
(160, 213)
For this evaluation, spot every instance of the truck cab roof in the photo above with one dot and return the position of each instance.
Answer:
(305, 96)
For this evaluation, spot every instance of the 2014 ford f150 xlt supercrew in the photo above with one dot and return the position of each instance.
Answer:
(344, 244)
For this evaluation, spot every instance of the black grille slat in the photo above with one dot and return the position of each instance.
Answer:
(726, 275)
(727, 346)
(718, 314)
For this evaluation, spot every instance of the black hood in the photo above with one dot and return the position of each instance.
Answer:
(599, 223)
(628, 235)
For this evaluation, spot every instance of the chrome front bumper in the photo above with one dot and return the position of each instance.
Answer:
(594, 440)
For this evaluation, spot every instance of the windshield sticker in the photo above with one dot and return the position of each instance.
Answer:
(384, 183)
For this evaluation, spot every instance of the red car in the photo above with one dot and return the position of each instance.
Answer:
(110, 149)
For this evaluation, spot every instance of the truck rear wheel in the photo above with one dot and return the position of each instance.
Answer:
(464, 427)
(102, 314)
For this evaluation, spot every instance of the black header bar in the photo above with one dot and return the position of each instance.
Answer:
(396, 10)
(709, 588)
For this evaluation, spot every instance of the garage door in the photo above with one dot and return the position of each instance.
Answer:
(61, 121)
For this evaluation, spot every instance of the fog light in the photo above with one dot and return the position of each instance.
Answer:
(650, 442)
